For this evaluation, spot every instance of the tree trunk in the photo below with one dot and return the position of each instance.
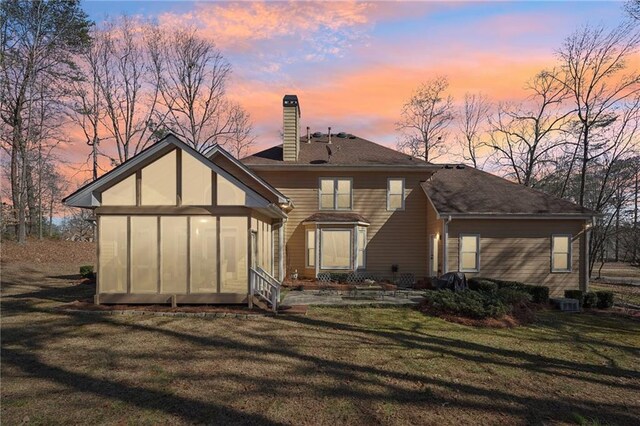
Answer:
(585, 159)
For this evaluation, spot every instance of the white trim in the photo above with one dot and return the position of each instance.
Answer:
(570, 254)
(364, 249)
(331, 268)
(460, 236)
(335, 180)
(336, 223)
(389, 179)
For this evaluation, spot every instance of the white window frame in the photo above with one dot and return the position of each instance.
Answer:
(477, 252)
(335, 193)
(314, 248)
(359, 249)
(569, 254)
(389, 193)
(319, 245)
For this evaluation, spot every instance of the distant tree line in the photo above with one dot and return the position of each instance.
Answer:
(576, 135)
(123, 84)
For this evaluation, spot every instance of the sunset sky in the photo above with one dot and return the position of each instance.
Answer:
(353, 64)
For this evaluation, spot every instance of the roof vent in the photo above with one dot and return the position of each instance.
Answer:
(460, 166)
(351, 137)
(329, 136)
(342, 135)
(448, 166)
(317, 135)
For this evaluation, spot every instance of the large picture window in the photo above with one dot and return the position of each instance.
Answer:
(395, 194)
(561, 253)
(335, 193)
(469, 253)
(335, 249)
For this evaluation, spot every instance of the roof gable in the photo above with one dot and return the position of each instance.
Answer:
(87, 195)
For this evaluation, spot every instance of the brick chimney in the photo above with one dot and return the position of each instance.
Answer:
(291, 128)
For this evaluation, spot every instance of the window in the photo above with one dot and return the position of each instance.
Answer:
(113, 254)
(173, 254)
(395, 194)
(159, 182)
(233, 254)
(122, 193)
(144, 254)
(196, 182)
(561, 253)
(335, 248)
(469, 253)
(311, 248)
(362, 246)
(229, 194)
(203, 254)
(335, 194)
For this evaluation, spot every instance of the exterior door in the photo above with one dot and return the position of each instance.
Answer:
(433, 255)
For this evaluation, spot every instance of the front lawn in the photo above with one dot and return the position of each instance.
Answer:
(333, 366)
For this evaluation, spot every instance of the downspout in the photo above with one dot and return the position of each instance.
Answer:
(445, 241)
(281, 250)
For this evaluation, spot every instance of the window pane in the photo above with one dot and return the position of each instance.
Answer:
(311, 257)
(560, 261)
(196, 182)
(344, 186)
(311, 245)
(326, 186)
(336, 249)
(204, 278)
(159, 182)
(326, 201)
(144, 254)
(395, 201)
(229, 194)
(121, 194)
(233, 255)
(113, 254)
(344, 201)
(395, 186)
(469, 243)
(561, 244)
(173, 255)
(468, 261)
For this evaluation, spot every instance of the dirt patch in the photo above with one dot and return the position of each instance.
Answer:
(49, 251)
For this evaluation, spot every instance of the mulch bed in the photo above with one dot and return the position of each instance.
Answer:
(519, 317)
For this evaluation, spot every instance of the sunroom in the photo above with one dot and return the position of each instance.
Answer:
(176, 227)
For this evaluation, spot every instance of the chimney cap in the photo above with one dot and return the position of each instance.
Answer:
(291, 101)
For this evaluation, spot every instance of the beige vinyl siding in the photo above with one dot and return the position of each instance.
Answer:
(394, 237)
(520, 250)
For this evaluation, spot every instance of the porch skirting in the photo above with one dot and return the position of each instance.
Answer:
(148, 298)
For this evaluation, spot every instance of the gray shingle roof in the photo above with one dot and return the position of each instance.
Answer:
(468, 191)
(350, 150)
(336, 217)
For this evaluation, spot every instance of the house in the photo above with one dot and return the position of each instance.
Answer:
(178, 226)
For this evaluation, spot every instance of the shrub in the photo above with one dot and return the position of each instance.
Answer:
(514, 298)
(483, 285)
(575, 294)
(605, 299)
(339, 277)
(86, 271)
(539, 293)
(467, 303)
(590, 300)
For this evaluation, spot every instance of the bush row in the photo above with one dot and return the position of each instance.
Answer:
(539, 293)
(466, 303)
(592, 299)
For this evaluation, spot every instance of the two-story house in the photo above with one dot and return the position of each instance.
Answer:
(179, 226)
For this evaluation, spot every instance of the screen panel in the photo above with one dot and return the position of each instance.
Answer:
(173, 255)
(159, 182)
(121, 194)
(229, 194)
(144, 254)
(204, 259)
(112, 271)
(233, 255)
(196, 182)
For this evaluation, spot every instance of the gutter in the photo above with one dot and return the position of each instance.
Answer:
(445, 240)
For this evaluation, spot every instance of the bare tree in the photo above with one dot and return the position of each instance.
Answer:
(633, 9)
(129, 87)
(424, 120)
(39, 40)
(525, 136)
(193, 75)
(241, 138)
(473, 118)
(593, 61)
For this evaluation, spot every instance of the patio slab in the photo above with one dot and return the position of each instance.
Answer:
(314, 297)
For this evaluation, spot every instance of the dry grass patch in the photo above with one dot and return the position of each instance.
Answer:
(334, 366)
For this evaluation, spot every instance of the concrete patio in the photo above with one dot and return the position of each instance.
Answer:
(319, 297)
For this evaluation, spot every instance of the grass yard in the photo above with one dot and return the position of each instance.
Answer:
(333, 366)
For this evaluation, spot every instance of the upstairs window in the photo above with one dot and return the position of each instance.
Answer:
(395, 194)
(469, 253)
(335, 193)
(561, 253)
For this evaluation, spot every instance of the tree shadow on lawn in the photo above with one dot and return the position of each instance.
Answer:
(365, 384)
